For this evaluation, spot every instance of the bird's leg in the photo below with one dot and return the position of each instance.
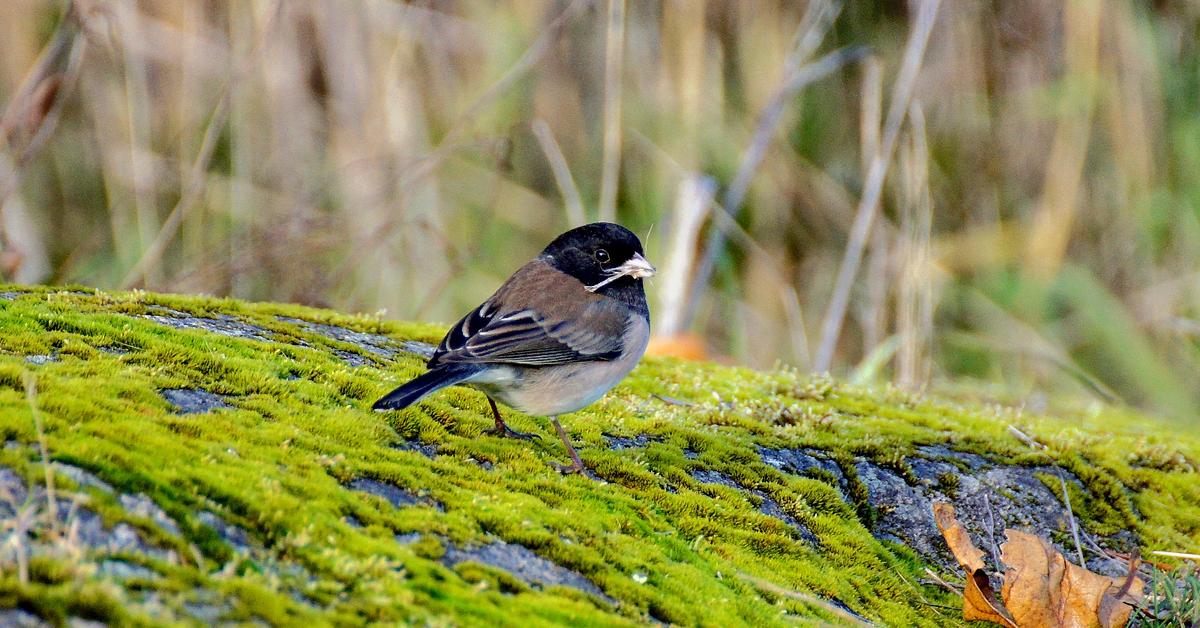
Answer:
(576, 465)
(502, 430)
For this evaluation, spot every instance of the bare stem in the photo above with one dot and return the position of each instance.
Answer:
(194, 188)
(562, 173)
(31, 397)
(768, 121)
(614, 50)
(868, 205)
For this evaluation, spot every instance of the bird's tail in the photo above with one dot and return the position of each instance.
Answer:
(417, 388)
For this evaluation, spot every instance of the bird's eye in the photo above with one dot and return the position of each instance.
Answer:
(602, 256)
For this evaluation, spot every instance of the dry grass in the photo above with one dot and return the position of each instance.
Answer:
(1033, 218)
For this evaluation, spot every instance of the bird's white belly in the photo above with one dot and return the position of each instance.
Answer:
(566, 388)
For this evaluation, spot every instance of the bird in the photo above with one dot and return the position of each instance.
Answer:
(557, 335)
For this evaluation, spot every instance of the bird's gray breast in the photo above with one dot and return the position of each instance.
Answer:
(547, 391)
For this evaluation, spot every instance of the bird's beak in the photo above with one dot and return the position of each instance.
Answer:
(636, 267)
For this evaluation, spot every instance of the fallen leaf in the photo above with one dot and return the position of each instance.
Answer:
(979, 598)
(1041, 588)
(1031, 576)
(1079, 597)
(980, 603)
(965, 552)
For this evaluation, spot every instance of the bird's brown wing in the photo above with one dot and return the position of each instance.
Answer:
(539, 317)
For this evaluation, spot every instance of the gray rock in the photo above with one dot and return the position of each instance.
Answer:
(409, 538)
(39, 360)
(767, 504)
(206, 612)
(713, 477)
(15, 617)
(353, 359)
(207, 606)
(987, 499)
(807, 462)
(972, 461)
(193, 400)
(82, 477)
(222, 324)
(13, 492)
(122, 570)
(617, 443)
(122, 537)
(905, 515)
(89, 527)
(232, 534)
(423, 349)
(429, 451)
(376, 344)
(840, 605)
(392, 494)
(524, 565)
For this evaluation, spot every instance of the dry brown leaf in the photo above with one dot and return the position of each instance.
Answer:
(1031, 577)
(969, 556)
(980, 603)
(1079, 598)
(1042, 589)
(979, 598)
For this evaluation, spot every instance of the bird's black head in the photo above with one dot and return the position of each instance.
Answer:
(606, 258)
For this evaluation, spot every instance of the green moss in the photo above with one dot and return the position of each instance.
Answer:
(299, 427)
(948, 483)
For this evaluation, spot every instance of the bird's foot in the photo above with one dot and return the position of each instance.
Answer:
(504, 431)
(574, 468)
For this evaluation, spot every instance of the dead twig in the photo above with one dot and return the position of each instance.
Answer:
(815, 24)
(733, 197)
(572, 201)
(771, 587)
(31, 397)
(614, 55)
(194, 187)
(1029, 441)
(693, 202)
(451, 142)
(1183, 555)
(671, 401)
(942, 583)
(921, 596)
(1071, 516)
(1025, 438)
(33, 113)
(992, 529)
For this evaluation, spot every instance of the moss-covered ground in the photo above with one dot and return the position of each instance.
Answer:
(659, 543)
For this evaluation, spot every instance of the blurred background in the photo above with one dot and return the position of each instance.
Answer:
(1001, 193)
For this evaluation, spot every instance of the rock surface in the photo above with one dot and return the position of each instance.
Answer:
(216, 462)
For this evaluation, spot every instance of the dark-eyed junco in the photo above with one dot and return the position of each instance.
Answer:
(562, 331)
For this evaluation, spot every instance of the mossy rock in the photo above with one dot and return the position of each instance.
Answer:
(217, 461)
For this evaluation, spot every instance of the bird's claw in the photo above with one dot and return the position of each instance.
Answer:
(568, 469)
(508, 432)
